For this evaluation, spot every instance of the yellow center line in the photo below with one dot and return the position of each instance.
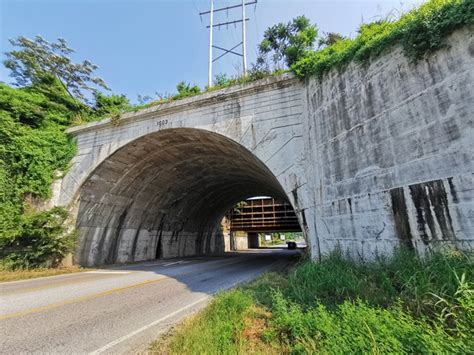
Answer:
(100, 294)
(79, 299)
(57, 284)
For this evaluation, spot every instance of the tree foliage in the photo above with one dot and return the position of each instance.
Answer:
(42, 242)
(34, 148)
(110, 104)
(330, 39)
(286, 43)
(37, 57)
(185, 89)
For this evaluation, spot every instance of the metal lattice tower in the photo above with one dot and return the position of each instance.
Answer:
(243, 43)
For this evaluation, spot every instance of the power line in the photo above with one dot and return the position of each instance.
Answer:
(227, 8)
(227, 23)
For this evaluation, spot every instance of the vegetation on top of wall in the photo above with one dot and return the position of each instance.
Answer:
(221, 81)
(400, 305)
(286, 43)
(419, 32)
(290, 46)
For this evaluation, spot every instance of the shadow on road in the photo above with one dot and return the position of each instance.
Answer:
(210, 273)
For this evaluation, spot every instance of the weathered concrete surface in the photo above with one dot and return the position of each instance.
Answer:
(241, 241)
(370, 158)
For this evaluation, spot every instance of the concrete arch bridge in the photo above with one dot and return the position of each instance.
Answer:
(369, 158)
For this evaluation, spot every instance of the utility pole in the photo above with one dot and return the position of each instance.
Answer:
(244, 42)
(227, 51)
(211, 27)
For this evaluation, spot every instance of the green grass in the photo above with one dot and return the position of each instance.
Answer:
(401, 304)
(420, 32)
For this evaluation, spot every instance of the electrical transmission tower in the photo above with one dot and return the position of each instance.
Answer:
(243, 43)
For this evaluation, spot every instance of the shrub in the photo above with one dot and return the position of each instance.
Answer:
(185, 90)
(33, 149)
(110, 105)
(41, 242)
(419, 32)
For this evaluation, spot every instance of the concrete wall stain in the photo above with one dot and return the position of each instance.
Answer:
(453, 191)
(131, 257)
(432, 210)
(159, 242)
(400, 214)
(113, 250)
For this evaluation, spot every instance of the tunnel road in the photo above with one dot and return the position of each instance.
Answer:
(119, 309)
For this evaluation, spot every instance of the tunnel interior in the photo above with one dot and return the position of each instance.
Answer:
(164, 195)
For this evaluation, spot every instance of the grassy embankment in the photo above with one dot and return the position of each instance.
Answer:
(397, 305)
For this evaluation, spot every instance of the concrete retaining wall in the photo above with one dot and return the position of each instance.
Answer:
(392, 152)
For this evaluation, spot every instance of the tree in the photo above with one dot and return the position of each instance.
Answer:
(110, 105)
(185, 90)
(330, 38)
(36, 58)
(288, 42)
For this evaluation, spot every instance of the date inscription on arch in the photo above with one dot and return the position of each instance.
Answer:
(162, 123)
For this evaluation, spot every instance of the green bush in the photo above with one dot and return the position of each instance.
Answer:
(110, 105)
(419, 32)
(33, 149)
(185, 90)
(42, 241)
(33, 146)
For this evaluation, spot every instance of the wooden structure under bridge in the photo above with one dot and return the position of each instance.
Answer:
(263, 215)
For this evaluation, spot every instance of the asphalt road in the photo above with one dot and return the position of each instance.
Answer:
(119, 309)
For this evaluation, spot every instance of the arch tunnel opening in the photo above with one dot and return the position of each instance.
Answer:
(164, 195)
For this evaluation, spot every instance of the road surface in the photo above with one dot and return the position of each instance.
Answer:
(118, 309)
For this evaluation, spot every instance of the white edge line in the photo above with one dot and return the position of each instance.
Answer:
(173, 263)
(110, 272)
(132, 334)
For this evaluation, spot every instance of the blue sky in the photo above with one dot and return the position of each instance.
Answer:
(148, 46)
